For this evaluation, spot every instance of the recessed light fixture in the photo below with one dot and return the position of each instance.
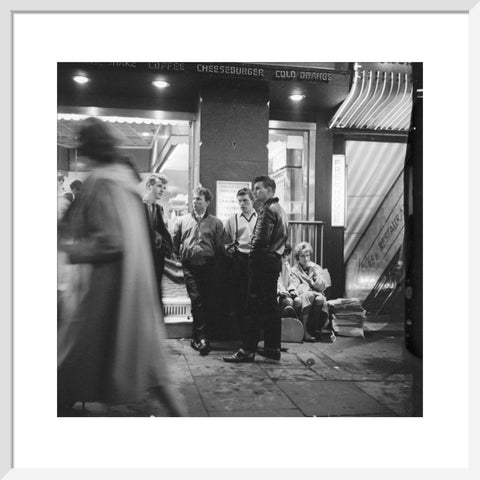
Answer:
(81, 79)
(146, 134)
(160, 84)
(296, 97)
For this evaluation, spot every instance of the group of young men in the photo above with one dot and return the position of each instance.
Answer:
(255, 241)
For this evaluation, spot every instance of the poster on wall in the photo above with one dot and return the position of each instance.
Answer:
(338, 191)
(226, 196)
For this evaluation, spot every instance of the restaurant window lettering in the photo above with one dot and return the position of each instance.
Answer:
(302, 75)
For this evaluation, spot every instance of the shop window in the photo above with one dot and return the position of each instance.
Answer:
(291, 163)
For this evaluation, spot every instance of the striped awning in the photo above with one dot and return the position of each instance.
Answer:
(131, 131)
(380, 98)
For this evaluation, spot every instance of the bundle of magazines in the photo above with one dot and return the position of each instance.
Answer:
(348, 317)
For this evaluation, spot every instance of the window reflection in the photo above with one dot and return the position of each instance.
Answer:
(288, 166)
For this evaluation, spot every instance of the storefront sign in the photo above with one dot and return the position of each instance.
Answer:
(387, 241)
(338, 191)
(227, 203)
(288, 74)
(235, 70)
(240, 70)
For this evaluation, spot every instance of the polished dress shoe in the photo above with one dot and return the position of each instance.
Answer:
(271, 353)
(240, 356)
(204, 347)
(195, 344)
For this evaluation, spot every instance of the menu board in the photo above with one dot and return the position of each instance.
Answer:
(227, 203)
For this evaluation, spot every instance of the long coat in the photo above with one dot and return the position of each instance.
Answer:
(309, 283)
(110, 338)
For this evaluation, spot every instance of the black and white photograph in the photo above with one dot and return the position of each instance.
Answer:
(258, 254)
(239, 239)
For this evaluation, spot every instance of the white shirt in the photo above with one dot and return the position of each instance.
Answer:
(243, 235)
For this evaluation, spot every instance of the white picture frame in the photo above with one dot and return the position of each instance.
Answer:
(11, 214)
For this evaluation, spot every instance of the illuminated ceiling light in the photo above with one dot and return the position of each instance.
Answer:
(296, 97)
(81, 79)
(146, 134)
(160, 84)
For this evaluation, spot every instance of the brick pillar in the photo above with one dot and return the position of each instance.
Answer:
(233, 133)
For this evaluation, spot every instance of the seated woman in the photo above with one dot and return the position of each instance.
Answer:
(284, 296)
(308, 282)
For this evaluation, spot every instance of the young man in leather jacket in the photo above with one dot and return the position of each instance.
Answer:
(268, 244)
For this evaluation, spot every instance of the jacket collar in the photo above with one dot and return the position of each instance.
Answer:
(197, 217)
(270, 201)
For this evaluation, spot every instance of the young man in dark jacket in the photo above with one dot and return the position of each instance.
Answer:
(198, 238)
(160, 238)
(268, 244)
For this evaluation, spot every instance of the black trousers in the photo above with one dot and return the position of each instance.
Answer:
(262, 305)
(199, 281)
(159, 264)
(240, 287)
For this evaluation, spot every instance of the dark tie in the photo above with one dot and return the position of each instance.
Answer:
(153, 215)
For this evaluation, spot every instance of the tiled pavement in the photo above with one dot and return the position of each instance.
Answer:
(351, 377)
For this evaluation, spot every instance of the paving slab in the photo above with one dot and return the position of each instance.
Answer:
(332, 370)
(213, 365)
(193, 401)
(179, 369)
(329, 370)
(394, 394)
(333, 398)
(292, 374)
(279, 412)
(375, 355)
(226, 395)
(93, 409)
(287, 360)
(401, 409)
(400, 377)
(350, 377)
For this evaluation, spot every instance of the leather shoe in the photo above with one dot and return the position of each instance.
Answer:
(204, 347)
(195, 344)
(271, 353)
(240, 356)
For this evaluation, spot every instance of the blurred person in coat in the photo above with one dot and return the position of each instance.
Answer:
(110, 337)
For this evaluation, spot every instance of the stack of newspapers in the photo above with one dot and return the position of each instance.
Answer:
(348, 316)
